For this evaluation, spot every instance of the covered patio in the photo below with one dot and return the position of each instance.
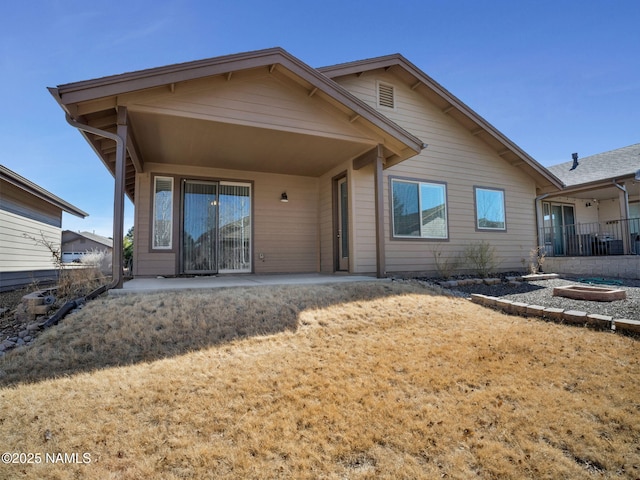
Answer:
(234, 165)
(598, 211)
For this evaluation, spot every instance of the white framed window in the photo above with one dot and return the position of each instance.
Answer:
(386, 95)
(419, 209)
(490, 209)
(162, 213)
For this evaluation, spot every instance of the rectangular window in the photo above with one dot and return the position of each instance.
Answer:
(162, 212)
(419, 209)
(490, 209)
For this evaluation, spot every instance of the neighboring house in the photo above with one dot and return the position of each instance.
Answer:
(598, 212)
(77, 244)
(259, 163)
(31, 219)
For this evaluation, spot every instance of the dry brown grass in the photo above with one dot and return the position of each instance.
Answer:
(357, 381)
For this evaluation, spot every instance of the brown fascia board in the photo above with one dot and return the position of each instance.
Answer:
(73, 93)
(154, 77)
(397, 59)
(36, 190)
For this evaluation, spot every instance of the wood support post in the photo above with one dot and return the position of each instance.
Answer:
(118, 199)
(381, 267)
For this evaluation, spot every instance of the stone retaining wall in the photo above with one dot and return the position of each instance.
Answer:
(557, 314)
(620, 266)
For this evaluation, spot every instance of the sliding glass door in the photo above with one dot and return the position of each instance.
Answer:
(216, 227)
(560, 229)
(200, 227)
(235, 227)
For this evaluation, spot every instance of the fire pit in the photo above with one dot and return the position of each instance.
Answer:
(596, 294)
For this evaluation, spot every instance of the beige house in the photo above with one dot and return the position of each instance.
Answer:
(259, 163)
(598, 211)
(77, 244)
(592, 226)
(31, 220)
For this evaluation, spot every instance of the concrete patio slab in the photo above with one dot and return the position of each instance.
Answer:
(152, 285)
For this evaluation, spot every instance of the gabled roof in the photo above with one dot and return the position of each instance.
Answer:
(107, 242)
(450, 105)
(37, 191)
(602, 167)
(96, 102)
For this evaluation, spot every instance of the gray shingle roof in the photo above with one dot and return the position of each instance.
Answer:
(107, 242)
(602, 166)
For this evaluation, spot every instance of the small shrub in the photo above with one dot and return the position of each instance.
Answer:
(536, 259)
(481, 258)
(445, 266)
(100, 259)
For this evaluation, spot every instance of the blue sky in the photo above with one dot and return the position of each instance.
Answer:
(556, 77)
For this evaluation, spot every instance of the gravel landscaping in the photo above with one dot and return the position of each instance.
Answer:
(540, 292)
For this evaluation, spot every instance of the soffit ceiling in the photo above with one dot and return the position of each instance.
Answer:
(179, 140)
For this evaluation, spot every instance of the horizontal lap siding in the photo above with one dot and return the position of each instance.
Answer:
(461, 160)
(17, 201)
(254, 99)
(286, 233)
(20, 248)
(78, 245)
(364, 220)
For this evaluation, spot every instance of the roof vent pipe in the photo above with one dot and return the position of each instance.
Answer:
(575, 161)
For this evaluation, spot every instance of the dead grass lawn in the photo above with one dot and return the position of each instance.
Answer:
(346, 381)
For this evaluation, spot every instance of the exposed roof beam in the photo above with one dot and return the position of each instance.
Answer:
(354, 118)
(477, 131)
(103, 122)
(416, 85)
(228, 76)
(313, 92)
(448, 109)
(134, 153)
(366, 158)
(95, 106)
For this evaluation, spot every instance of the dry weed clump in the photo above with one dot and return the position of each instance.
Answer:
(378, 381)
(75, 282)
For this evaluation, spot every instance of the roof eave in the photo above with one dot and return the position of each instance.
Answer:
(68, 95)
(603, 182)
(37, 191)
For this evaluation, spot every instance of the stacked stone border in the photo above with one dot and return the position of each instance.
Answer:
(574, 317)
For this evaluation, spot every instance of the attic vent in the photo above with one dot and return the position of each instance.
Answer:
(386, 96)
